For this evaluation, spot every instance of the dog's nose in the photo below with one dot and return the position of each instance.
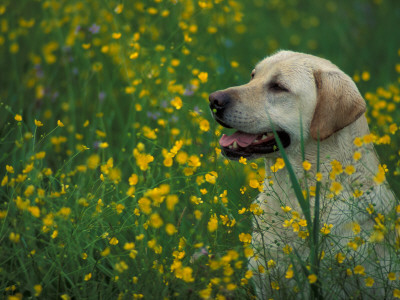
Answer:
(219, 101)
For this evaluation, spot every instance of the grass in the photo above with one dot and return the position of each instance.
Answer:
(112, 183)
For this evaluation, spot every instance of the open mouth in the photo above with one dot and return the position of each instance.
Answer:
(241, 144)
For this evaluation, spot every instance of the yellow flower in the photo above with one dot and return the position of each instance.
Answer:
(340, 257)
(171, 201)
(54, 234)
(212, 223)
(318, 176)
(326, 229)
(261, 269)
(18, 118)
(181, 157)
(356, 228)
(3, 214)
(275, 285)
(149, 133)
(194, 161)
(271, 263)
(280, 163)
(254, 183)
(392, 276)
(380, 175)
(93, 161)
(64, 211)
(248, 252)
(365, 76)
(234, 64)
(204, 125)
(248, 274)
(176, 102)
(170, 229)
(129, 246)
(60, 124)
(357, 155)
(175, 62)
(359, 270)
(306, 165)
(187, 274)
(4, 181)
(145, 205)
(369, 281)
(287, 249)
(206, 293)
(142, 159)
(211, 177)
(38, 123)
(14, 237)
(9, 169)
(119, 208)
(114, 175)
(349, 170)
(245, 238)
(393, 128)
(133, 180)
(38, 289)
(289, 273)
(336, 167)
(336, 187)
(303, 223)
(116, 35)
(203, 76)
(88, 276)
(113, 241)
(396, 293)
(198, 214)
(358, 142)
(286, 208)
(152, 10)
(242, 211)
(35, 211)
(243, 160)
(312, 278)
(118, 9)
(156, 221)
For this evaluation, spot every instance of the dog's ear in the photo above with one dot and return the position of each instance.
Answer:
(339, 103)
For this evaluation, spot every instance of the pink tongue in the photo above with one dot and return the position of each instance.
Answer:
(242, 139)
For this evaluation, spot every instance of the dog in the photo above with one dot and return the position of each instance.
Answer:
(316, 112)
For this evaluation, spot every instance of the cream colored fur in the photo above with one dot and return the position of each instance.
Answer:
(321, 102)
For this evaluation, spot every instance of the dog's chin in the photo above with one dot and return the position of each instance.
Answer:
(252, 146)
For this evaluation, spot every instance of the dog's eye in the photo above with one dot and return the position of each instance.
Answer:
(252, 74)
(277, 87)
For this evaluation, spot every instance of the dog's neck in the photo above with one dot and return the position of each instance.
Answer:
(335, 148)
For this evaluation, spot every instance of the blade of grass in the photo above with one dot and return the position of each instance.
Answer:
(304, 205)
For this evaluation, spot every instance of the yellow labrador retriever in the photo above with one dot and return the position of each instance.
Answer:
(311, 104)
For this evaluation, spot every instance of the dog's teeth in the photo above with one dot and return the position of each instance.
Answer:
(230, 146)
(264, 137)
(255, 141)
(235, 145)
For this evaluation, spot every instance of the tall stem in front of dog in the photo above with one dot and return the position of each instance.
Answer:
(312, 225)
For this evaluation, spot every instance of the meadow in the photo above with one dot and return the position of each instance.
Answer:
(112, 184)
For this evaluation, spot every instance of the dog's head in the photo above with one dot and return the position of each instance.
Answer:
(297, 95)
